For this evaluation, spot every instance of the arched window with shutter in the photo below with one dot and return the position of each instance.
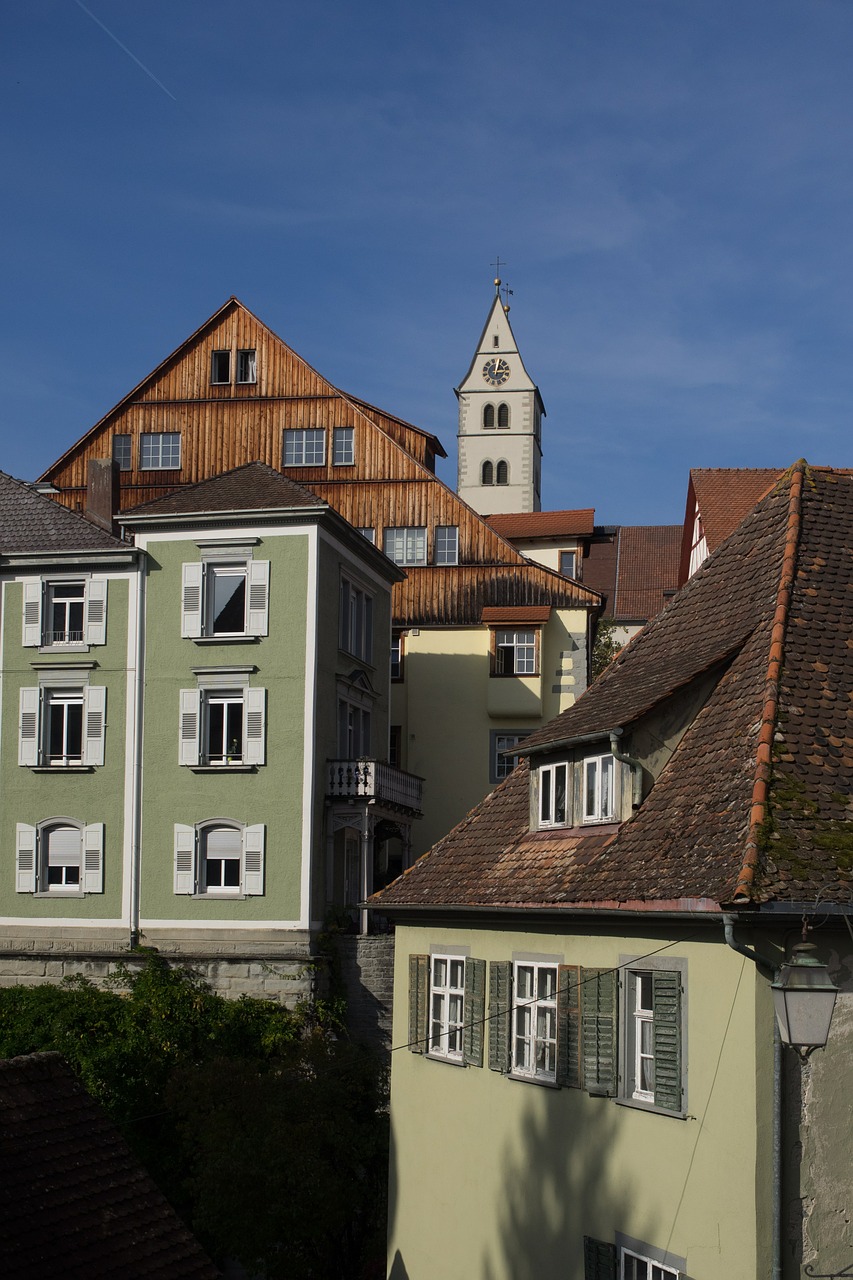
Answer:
(502, 473)
(489, 416)
(488, 474)
(503, 415)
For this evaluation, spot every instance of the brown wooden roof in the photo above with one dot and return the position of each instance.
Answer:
(769, 616)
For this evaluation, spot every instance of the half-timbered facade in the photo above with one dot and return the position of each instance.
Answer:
(480, 633)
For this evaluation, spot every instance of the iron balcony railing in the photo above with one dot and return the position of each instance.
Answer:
(377, 781)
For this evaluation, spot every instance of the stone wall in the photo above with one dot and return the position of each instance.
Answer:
(367, 978)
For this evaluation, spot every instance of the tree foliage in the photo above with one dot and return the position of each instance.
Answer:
(605, 648)
(264, 1126)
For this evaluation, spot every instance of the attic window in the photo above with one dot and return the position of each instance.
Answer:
(220, 367)
(598, 789)
(553, 792)
(247, 369)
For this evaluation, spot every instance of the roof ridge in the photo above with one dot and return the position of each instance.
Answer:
(763, 755)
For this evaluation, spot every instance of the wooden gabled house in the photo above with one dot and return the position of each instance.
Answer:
(483, 638)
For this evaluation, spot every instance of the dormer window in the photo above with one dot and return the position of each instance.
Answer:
(598, 790)
(553, 793)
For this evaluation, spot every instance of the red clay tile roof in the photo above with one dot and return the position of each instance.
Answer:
(32, 522)
(689, 841)
(726, 495)
(252, 487)
(74, 1200)
(647, 566)
(543, 524)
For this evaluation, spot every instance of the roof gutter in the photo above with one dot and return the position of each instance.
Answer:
(764, 754)
(635, 765)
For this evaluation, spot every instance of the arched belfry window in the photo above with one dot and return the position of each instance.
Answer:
(489, 416)
(488, 474)
(501, 473)
(503, 415)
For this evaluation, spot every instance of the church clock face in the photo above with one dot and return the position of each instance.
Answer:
(496, 371)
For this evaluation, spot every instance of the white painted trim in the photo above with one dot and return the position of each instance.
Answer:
(212, 925)
(309, 745)
(261, 533)
(133, 744)
(65, 922)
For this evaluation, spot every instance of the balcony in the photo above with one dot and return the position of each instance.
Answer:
(376, 782)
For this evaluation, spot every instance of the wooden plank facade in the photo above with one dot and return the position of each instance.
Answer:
(390, 482)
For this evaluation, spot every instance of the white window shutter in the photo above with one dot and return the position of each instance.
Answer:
(94, 721)
(188, 735)
(184, 858)
(259, 598)
(28, 727)
(254, 725)
(25, 865)
(96, 611)
(32, 612)
(253, 859)
(93, 858)
(191, 600)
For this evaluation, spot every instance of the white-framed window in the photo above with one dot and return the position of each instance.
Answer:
(304, 447)
(569, 564)
(598, 788)
(447, 1005)
(123, 452)
(356, 620)
(633, 1266)
(220, 367)
(406, 545)
(515, 653)
(500, 765)
(60, 856)
(160, 451)
(64, 613)
(225, 599)
(652, 1034)
(446, 546)
(247, 367)
(343, 446)
(553, 795)
(222, 727)
(398, 651)
(61, 727)
(368, 533)
(534, 1031)
(219, 858)
(353, 730)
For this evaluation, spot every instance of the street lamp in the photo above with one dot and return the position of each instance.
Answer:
(804, 998)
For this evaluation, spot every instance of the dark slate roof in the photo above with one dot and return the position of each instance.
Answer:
(756, 802)
(74, 1201)
(252, 487)
(647, 568)
(32, 522)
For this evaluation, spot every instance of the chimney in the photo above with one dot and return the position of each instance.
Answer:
(102, 492)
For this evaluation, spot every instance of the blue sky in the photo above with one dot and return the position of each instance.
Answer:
(670, 184)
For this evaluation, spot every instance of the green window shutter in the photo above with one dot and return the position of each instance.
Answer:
(474, 1012)
(500, 1014)
(598, 1030)
(599, 1259)
(568, 1025)
(418, 997)
(666, 1034)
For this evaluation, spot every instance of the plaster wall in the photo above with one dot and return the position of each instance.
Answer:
(493, 1178)
(448, 704)
(97, 795)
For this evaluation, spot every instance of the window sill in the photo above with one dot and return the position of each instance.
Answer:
(64, 648)
(542, 1081)
(152, 469)
(514, 675)
(247, 639)
(450, 1062)
(222, 768)
(637, 1104)
(62, 768)
(58, 893)
(546, 829)
(237, 896)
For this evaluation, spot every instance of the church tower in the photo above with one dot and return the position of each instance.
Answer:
(500, 416)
